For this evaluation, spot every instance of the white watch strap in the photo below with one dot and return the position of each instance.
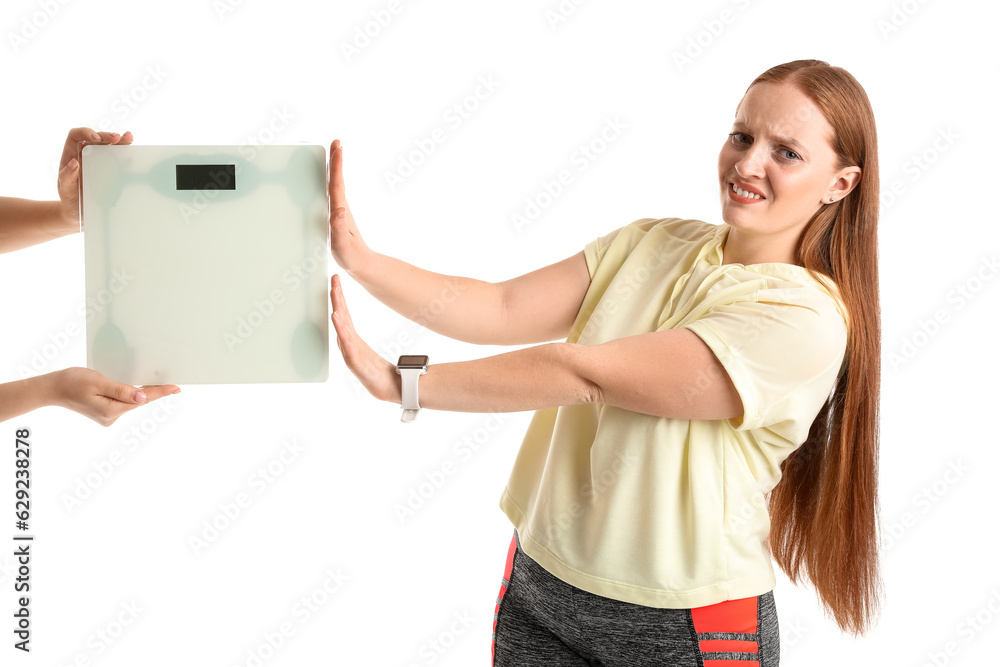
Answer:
(410, 393)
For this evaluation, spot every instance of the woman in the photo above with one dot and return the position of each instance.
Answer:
(705, 367)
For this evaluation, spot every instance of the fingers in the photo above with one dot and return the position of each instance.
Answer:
(125, 397)
(75, 136)
(68, 177)
(125, 393)
(82, 134)
(113, 137)
(156, 391)
(338, 196)
(338, 302)
(375, 373)
(78, 134)
(343, 324)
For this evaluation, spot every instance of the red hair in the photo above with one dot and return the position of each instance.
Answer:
(824, 510)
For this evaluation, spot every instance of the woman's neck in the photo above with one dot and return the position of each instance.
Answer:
(742, 248)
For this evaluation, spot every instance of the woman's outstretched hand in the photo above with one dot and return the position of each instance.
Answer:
(69, 168)
(348, 248)
(89, 393)
(376, 374)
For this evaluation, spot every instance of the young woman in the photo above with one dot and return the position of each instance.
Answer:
(714, 404)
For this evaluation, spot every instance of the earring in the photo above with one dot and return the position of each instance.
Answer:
(831, 199)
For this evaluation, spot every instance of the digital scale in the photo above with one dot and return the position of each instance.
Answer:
(206, 264)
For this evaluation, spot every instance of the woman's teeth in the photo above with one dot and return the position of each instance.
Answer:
(743, 193)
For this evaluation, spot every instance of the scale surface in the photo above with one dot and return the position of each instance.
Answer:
(206, 264)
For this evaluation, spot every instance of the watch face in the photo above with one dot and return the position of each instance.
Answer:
(412, 361)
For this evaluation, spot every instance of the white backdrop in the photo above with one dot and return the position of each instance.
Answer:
(115, 579)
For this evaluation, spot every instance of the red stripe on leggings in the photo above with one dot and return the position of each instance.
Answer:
(511, 550)
(729, 616)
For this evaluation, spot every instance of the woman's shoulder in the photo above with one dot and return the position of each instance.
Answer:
(649, 229)
(683, 228)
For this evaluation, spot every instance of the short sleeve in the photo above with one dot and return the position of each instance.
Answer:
(596, 249)
(782, 355)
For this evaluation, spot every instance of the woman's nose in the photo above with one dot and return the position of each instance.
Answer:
(751, 164)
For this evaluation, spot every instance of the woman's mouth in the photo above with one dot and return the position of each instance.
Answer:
(738, 194)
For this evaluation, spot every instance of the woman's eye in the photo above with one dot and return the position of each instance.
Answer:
(739, 137)
(789, 154)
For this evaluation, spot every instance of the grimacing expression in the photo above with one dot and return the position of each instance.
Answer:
(780, 152)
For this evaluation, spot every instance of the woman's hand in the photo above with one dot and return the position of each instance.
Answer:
(348, 248)
(376, 374)
(94, 396)
(69, 169)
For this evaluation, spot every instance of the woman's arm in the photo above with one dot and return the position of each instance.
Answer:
(82, 390)
(25, 222)
(533, 308)
(20, 397)
(538, 306)
(669, 373)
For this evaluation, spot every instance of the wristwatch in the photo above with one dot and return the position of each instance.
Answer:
(410, 367)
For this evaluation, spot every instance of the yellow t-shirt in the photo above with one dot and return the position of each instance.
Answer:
(671, 512)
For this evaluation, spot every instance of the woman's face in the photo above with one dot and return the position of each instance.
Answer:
(779, 150)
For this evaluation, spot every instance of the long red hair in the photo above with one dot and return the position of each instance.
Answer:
(824, 510)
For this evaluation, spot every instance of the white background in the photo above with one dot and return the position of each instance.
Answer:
(231, 74)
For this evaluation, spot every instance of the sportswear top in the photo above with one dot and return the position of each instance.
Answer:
(668, 512)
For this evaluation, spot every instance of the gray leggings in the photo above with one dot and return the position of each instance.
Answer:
(541, 620)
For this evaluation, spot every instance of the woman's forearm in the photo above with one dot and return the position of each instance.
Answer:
(531, 378)
(22, 396)
(670, 373)
(26, 222)
(465, 309)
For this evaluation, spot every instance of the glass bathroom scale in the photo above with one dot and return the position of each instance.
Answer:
(206, 264)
